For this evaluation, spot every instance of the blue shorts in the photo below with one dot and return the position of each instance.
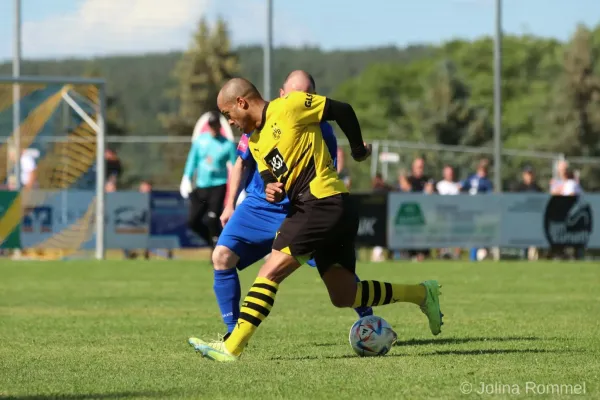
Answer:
(251, 230)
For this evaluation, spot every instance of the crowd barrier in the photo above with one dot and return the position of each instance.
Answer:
(65, 219)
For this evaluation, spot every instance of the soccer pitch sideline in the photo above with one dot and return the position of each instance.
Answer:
(119, 329)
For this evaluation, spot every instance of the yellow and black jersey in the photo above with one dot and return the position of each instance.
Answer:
(289, 148)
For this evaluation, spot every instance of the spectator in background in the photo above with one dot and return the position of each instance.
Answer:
(448, 185)
(28, 178)
(529, 184)
(570, 186)
(113, 165)
(475, 184)
(379, 186)
(556, 184)
(417, 182)
(478, 182)
(343, 172)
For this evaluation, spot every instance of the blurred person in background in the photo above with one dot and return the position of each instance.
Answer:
(556, 183)
(210, 158)
(566, 185)
(448, 186)
(478, 183)
(343, 172)
(417, 182)
(379, 185)
(529, 184)
(113, 165)
(28, 165)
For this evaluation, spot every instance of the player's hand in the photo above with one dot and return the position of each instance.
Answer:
(226, 215)
(368, 149)
(274, 192)
(185, 188)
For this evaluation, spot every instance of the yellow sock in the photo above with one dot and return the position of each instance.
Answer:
(374, 293)
(255, 308)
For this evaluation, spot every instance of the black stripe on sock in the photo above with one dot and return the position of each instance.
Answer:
(261, 296)
(376, 292)
(265, 286)
(365, 293)
(256, 307)
(388, 293)
(250, 319)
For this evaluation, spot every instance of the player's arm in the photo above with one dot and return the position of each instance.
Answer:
(185, 188)
(192, 161)
(312, 108)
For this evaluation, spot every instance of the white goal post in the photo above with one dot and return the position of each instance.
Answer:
(20, 87)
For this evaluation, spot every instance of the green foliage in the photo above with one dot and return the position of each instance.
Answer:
(433, 95)
(199, 75)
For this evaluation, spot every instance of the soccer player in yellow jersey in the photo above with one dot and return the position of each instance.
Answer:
(292, 158)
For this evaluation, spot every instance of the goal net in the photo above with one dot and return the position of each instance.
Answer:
(51, 167)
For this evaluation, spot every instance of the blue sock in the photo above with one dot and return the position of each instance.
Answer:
(363, 311)
(228, 293)
(473, 255)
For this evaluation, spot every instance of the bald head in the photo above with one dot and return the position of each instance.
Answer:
(298, 81)
(235, 88)
(241, 104)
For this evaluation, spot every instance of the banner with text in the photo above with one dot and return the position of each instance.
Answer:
(66, 220)
(504, 220)
(372, 212)
(420, 221)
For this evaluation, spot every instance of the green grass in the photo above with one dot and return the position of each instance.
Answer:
(82, 330)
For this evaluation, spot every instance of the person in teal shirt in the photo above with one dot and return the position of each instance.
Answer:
(210, 158)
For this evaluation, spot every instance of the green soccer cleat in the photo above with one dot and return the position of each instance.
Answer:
(215, 351)
(431, 306)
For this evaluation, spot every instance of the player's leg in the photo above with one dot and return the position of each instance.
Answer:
(215, 204)
(361, 311)
(260, 299)
(198, 207)
(336, 261)
(256, 307)
(290, 246)
(246, 239)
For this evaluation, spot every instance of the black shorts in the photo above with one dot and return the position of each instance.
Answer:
(322, 228)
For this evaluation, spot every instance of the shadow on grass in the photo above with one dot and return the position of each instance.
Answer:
(433, 353)
(446, 341)
(421, 342)
(84, 396)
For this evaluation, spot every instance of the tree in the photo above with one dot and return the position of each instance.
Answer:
(572, 123)
(200, 73)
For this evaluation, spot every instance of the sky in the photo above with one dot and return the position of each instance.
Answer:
(86, 28)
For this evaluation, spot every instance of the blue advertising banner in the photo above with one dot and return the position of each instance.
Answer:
(168, 222)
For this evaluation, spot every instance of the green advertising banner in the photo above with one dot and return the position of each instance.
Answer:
(10, 220)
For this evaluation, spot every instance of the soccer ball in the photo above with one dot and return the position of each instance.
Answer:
(371, 336)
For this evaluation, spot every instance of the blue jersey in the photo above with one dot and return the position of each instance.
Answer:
(475, 184)
(255, 186)
(208, 157)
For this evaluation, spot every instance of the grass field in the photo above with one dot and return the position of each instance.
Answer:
(83, 330)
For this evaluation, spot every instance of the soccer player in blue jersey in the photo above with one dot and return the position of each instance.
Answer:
(248, 232)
